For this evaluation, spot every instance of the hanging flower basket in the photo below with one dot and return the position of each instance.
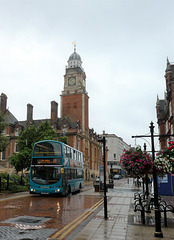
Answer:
(164, 161)
(136, 163)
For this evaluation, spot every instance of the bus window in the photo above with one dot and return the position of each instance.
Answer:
(45, 175)
(68, 154)
(75, 155)
(64, 151)
(79, 173)
(73, 173)
(71, 153)
(69, 173)
(47, 148)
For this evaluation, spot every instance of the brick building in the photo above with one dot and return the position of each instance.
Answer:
(75, 116)
(165, 107)
(73, 123)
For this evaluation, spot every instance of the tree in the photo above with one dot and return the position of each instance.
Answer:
(64, 139)
(45, 132)
(4, 141)
(26, 140)
(21, 160)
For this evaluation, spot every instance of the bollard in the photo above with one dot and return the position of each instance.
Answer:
(7, 188)
(21, 182)
(143, 215)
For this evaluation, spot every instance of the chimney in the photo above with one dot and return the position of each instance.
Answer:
(29, 112)
(54, 107)
(3, 103)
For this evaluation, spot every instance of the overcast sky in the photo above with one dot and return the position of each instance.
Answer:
(123, 44)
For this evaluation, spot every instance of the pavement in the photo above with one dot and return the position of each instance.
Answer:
(123, 222)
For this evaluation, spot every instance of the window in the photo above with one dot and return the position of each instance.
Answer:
(68, 152)
(166, 126)
(72, 173)
(75, 155)
(75, 104)
(47, 149)
(114, 155)
(16, 148)
(79, 173)
(68, 106)
(170, 109)
(3, 155)
(11, 129)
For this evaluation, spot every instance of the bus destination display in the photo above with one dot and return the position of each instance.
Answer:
(44, 161)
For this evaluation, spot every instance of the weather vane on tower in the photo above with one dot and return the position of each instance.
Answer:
(74, 43)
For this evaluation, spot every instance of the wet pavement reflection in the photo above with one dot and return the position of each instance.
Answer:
(61, 210)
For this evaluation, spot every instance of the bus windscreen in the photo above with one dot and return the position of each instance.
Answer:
(47, 149)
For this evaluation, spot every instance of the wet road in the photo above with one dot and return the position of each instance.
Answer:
(30, 217)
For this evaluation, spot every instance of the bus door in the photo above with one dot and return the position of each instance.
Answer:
(64, 174)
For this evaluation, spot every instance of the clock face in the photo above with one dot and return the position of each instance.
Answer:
(71, 81)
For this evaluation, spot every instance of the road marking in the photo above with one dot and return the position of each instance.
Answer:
(13, 197)
(64, 231)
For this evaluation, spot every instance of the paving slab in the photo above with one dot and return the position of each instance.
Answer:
(123, 223)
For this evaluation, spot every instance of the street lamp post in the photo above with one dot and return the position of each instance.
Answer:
(158, 233)
(104, 162)
(146, 179)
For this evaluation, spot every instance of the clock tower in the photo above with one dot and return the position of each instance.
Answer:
(74, 97)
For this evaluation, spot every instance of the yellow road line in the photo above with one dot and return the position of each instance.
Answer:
(78, 220)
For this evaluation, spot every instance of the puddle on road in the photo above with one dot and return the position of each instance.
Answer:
(12, 206)
(30, 220)
(29, 227)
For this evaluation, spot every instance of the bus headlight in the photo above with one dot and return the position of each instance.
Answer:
(57, 190)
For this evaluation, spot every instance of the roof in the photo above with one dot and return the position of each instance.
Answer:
(74, 56)
(35, 122)
(72, 125)
(162, 105)
(9, 117)
(172, 69)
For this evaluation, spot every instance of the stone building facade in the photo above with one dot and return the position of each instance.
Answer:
(165, 107)
(115, 146)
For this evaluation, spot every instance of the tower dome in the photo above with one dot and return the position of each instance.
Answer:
(75, 56)
(74, 60)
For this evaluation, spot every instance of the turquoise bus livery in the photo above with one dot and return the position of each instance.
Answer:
(56, 168)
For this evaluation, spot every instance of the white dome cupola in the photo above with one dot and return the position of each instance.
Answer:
(74, 60)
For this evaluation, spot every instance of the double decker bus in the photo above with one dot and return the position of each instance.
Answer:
(56, 168)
